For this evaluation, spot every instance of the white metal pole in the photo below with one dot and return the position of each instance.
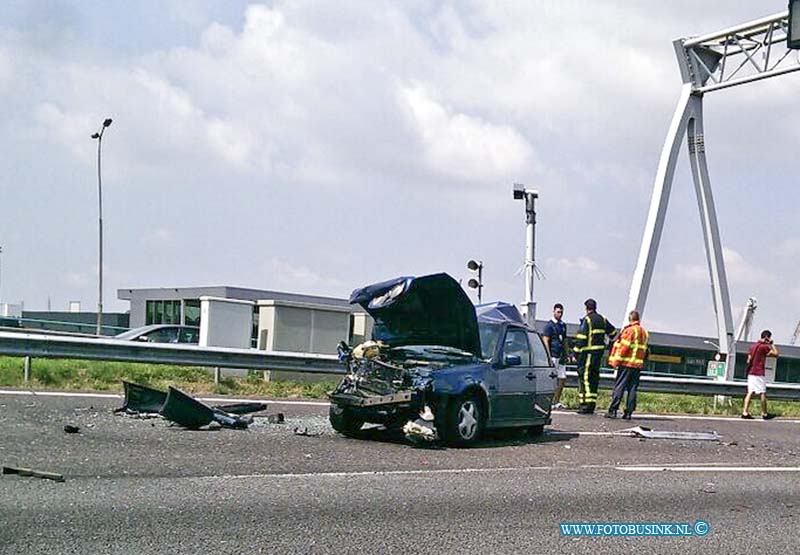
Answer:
(100, 238)
(711, 235)
(640, 285)
(530, 256)
(99, 137)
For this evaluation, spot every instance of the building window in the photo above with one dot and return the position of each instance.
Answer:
(163, 312)
(191, 312)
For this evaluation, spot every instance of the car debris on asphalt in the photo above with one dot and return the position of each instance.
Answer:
(143, 399)
(304, 431)
(183, 409)
(188, 412)
(419, 431)
(647, 433)
(71, 429)
(20, 471)
(277, 418)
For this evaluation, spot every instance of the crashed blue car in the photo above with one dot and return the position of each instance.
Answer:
(440, 370)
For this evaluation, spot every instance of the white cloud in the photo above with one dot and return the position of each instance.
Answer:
(465, 147)
(737, 269)
(160, 236)
(787, 248)
(282, 275)
(583, 268)
(6, 68)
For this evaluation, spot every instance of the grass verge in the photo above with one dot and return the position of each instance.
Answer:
(84, 375)
(90, 375)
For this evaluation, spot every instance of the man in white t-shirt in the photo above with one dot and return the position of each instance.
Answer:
(555, 337)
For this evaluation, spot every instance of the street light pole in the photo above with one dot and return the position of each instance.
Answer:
(529, 196)
(99, 137)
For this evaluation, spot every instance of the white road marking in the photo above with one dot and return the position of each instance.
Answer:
(384, 473)
(59, 394)
(422, 472)
(579, 433)
(710, 468)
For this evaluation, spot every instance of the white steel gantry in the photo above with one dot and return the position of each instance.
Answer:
(742, 54)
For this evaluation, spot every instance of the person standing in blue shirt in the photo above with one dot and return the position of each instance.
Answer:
(555, 337)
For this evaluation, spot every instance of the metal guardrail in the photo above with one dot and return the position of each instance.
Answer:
(696, 386)
(55, 346)
(90, 326)
(51, 346)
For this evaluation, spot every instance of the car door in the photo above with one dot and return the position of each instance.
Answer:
(163, 335)
(545, 374)
(189, 335)
(516, 383)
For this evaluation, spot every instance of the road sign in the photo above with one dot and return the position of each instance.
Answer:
(715, 369)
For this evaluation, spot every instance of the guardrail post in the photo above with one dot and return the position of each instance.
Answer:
(217, 374)
(26, 369)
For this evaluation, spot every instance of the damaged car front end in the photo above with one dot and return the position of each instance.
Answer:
(398, 387)
(424, 371)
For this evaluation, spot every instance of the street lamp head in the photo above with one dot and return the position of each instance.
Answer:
(107, 122)
(474, 265)
(520, 192)
(95, 135)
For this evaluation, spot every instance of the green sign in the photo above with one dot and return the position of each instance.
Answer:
(716, 369)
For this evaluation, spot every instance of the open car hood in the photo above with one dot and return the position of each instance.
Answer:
(498, 312)
(427, 310)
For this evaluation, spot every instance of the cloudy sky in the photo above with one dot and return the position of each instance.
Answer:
(315, 147)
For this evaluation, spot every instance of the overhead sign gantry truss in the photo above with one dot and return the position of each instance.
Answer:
(743, 54)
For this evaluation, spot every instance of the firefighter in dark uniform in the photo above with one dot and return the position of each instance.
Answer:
(590, 342)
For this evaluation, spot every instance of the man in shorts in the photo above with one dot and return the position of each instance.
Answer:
(756, 383)
(555, 337)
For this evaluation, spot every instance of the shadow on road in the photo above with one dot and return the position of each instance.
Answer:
(491, 439)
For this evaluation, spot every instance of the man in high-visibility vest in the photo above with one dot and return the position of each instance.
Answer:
(590, 342)
(627, 356)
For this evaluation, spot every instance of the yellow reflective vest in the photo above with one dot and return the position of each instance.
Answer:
(630, 348)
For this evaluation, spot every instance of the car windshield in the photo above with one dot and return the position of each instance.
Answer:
(489, 334)
(133, 333)
(432, 351)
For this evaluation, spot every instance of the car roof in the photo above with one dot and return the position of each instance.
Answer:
(152, 327)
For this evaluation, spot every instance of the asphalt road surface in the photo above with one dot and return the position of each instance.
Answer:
(143, 486)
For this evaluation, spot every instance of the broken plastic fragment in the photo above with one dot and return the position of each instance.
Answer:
(35, 473)
(277, 418)
(141, 399)
(304, 431)
(420, 431)
(191, 413)
(643, 432)
(426, 414)
(368, 349)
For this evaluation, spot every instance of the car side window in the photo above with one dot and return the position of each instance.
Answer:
(516, 343)
(164, 335)
(189, 336)
(540, 355)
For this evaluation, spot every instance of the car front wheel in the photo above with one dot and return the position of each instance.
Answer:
(343, 420)
(465, 420)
